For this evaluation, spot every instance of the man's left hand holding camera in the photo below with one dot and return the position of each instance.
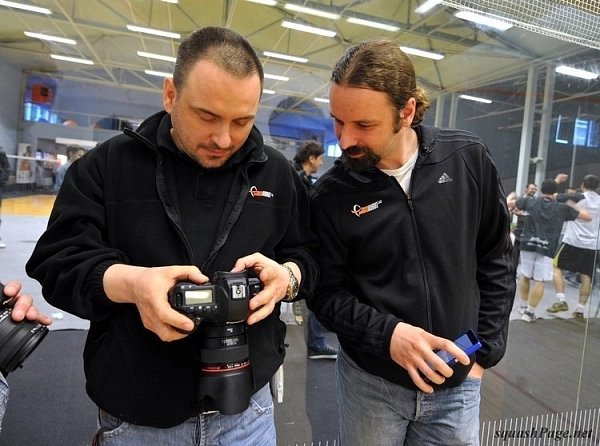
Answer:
(23, 307)
(148, 288)
(275, 279)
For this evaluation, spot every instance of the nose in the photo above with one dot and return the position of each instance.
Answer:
(346, 138)
(222, 136)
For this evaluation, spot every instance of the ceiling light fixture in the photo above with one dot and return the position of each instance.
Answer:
(373, 24)
(429, 4)
(156, 56)
(25, 7)
(326, 101)
(570, 71)
(158, 73)
(308, 29)
(50, 38)
(474, 98)
(171, 1)
(264, 2)
(267, 91)
(72, 59)
(154, 32)
(277, 77)
(422, 53)
(285, 57)
(312, 11)
(502, 25)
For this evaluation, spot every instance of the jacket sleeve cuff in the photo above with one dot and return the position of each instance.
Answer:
(103, 306)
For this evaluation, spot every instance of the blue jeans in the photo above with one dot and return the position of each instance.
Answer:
(315, 340)
(4, 392)
(256, 426)
(378, 412)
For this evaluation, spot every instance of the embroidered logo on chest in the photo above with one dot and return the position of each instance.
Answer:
(359, 210)
(260, 193)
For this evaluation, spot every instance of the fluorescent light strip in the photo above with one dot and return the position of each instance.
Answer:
(421, 53)
(326, 101)
(285, 57)
(72, 59)
(264, 2)
(158, 73)
(474, 98)
(429, 4)
(277, 77)
(25, 7)
(171, 1)
(570, 71)
(308, 29)
(483, 20)
(372, 24)
(311, 11)
(156, 56)
(50, 38)
(154, 32)
(267, 91)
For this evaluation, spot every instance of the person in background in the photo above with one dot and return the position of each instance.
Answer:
(306, 162)
(539, 242)
(570, 277)
(192, 192)
(415, 250)
(23, 308)
(579, 249)
(529, 191)
(73, 153)
(4, 173)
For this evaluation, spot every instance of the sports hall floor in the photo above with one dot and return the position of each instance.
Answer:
(550, 368)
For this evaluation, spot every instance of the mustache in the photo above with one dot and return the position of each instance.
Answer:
(356, 150)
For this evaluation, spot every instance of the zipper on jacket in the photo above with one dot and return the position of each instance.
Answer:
(161, 188)
(235, 213)
(421, 261)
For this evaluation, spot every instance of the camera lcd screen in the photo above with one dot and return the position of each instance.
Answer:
(196, 297)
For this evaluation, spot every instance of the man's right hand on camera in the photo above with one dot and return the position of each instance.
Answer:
(148, 289)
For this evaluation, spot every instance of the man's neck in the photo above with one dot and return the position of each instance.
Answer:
(408, 144)
(306, 170)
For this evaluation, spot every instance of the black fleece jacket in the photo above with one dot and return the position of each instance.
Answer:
(439, 258)
(121, 203)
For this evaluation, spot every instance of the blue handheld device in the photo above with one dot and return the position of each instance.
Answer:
(468, 342)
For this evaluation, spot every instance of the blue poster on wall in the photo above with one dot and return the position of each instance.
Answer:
(300, 119)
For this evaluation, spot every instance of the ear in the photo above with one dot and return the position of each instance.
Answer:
(169, 94)
(407, 114)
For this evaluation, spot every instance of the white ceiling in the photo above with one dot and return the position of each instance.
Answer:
(474, 57)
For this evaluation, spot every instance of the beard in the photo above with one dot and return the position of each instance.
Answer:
(368, 161)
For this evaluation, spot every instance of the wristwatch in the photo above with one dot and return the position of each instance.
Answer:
(293, 286)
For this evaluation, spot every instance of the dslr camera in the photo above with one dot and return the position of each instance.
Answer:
(17, 339)
(219, 309)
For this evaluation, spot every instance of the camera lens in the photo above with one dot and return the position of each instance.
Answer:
(17, 340)
(225, 372)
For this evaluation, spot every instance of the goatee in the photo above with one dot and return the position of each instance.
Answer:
(368, 161)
